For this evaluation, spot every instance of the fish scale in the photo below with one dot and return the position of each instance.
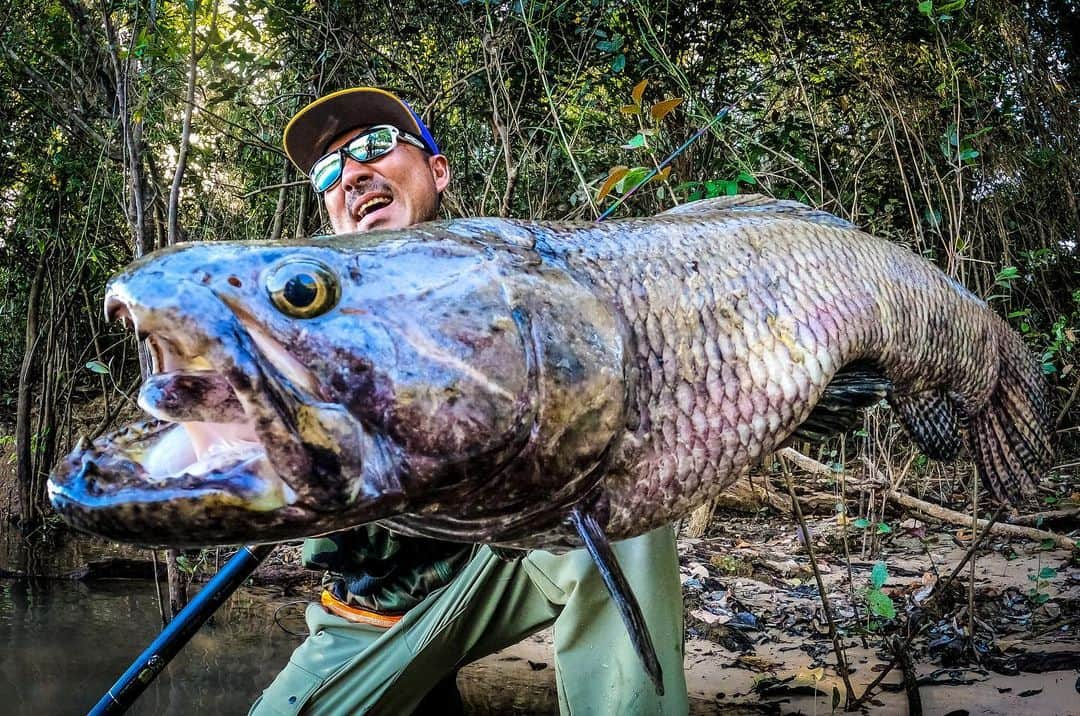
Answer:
(780, 302)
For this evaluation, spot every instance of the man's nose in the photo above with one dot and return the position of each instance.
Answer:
(354, 173)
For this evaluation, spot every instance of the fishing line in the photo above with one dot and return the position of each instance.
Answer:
(290, 632)
(671, 157)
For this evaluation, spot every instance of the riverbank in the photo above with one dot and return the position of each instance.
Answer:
(757, 637)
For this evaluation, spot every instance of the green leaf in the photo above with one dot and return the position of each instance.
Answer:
(1047, 573)
(883, 528)
(636, 142)
(249, 29)
(952, 6)
(632, 178)
(98, 367)
(968, 154)
(619, 63)
(926, 7)
(1007, 274)
(879, 575)
(881, 604)
(746, 178)
(862, 523)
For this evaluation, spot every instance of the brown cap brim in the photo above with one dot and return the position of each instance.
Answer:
(313, 128)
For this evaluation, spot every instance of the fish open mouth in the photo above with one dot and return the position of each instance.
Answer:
(240, 441)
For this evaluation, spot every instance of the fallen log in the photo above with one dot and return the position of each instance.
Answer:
(1039, 518)
(959, 518)
(114, 568)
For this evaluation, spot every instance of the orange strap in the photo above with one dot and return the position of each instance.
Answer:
(354, 614)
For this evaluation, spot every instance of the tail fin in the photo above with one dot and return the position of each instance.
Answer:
(1010, 439)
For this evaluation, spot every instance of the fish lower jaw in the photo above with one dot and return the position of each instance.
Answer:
(224, 456)
(141, 468)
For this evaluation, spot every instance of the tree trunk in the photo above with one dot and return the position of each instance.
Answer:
(177, 584)
(24, 454)
(279, 209)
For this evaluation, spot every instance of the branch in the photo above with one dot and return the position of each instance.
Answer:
(1067, 405)
(271, 187)
(834, 634)
(185, 132)
(958, 518)
(75, 119)
(807, 463)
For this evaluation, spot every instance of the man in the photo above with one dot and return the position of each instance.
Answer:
(399, 615)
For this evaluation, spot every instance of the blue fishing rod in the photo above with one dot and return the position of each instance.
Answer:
(178, 632)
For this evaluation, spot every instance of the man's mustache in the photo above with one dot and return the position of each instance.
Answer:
(360, 190)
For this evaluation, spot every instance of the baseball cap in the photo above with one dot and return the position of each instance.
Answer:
(315, 126)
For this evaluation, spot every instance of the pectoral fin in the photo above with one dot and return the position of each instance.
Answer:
(599, 548)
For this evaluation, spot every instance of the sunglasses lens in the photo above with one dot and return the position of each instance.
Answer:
(372, 145)
(364, 148)
(326, 172)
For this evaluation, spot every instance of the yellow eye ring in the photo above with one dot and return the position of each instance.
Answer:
(303, 288)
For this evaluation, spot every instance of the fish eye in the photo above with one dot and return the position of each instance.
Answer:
(303, 289)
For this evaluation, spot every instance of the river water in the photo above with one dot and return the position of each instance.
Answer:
(63, 644)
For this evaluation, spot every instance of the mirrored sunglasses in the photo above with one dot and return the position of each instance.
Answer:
(367, 146)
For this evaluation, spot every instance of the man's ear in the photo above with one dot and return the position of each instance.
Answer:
(440, 171)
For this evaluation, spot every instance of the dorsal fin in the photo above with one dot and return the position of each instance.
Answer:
(758, 204)
(596, 543)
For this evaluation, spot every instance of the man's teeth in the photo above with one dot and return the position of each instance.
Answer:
(367, 206)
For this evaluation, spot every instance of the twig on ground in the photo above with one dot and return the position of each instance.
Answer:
(987, 526)
(911, 684)
(834, 634)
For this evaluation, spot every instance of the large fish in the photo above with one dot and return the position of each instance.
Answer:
(533, 384)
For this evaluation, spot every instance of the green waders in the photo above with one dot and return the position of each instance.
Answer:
(348, 668)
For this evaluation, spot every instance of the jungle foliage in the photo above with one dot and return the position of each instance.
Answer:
(951, 127)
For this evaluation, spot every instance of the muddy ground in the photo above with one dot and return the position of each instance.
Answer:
(757, 638)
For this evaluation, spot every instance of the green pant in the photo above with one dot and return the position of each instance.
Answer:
(347, 668)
